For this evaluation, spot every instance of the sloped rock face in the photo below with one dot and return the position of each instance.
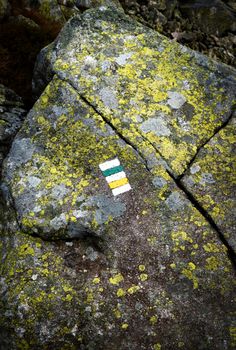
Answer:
(211, 178)
(140, 270)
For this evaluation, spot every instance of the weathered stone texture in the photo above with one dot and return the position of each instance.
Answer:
(212, 180)
(143, 270)
(135, 76)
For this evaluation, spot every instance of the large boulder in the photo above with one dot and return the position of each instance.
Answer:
(104, 248)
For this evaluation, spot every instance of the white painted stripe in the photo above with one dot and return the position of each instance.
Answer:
(122, 189)
(117, 176)
(109, 164)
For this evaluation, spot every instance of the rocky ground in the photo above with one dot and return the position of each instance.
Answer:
(205, 26)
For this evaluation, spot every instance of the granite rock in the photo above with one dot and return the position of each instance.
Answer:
(81, 267)
(133, 75)
(211, 179)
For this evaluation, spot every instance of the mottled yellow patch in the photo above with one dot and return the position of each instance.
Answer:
(133, 289)
(120, 292)
(124, 326)
(117, 313)
(117, 279)
(212, 263)
(191, 276)
(232, 332)
(96, 280)
(153, 320)
(157, 346)
(141, 268)
(191, 266)
(143, 277)
(211, 248)
(73, 219)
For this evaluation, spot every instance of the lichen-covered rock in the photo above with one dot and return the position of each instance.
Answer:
(148, 257)
(154, 91)
(12, 113)
(122, 295)
(139, 270)
(212, 180)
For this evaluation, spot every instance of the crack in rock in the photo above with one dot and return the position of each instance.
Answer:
(189, 195)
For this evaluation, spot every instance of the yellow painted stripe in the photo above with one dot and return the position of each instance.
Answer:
(118, 183)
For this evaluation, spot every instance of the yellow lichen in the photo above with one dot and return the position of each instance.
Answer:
(133, 289)
(141, 268)
(191, 276)
(117, 313)
(124, 326)
(143, 277)
(212, 263)
(96, 280)
(117, 279)
(120, 292)
(153, 320)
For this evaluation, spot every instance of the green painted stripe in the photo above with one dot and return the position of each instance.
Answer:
(112, 171)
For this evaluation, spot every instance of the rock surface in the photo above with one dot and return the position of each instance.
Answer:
(212, 180)
(12, 113)
(171, 86)
(142, 270)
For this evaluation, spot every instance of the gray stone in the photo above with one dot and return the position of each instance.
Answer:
(160, 78)
(176, 202)
(176, 100)
(156, 125)
(143, 269)
(211, 179)
(109, 98)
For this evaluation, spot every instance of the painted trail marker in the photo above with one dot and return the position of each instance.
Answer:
(115, 176)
